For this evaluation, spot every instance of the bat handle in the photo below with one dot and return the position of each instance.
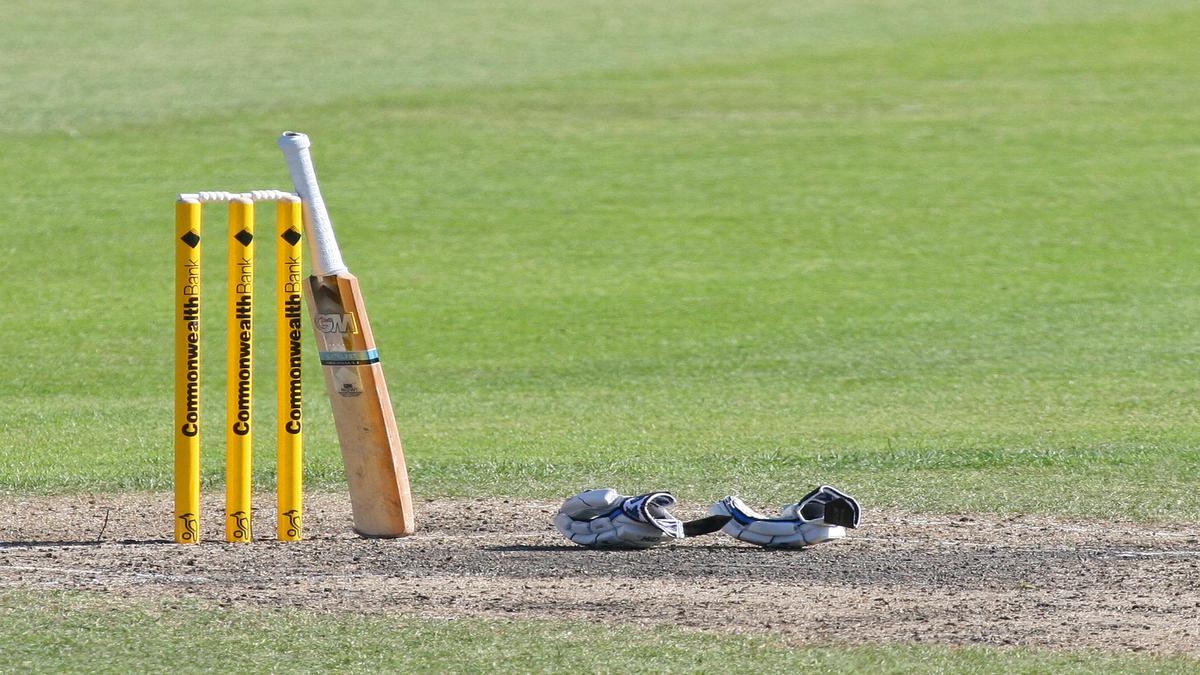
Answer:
(326, 256)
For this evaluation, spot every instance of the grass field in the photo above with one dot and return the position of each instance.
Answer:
(69, 629)
(940, 254)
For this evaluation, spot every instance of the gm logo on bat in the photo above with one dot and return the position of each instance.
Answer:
(341, 324)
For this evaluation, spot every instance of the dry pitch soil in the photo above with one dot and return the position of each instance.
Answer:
(949, 579)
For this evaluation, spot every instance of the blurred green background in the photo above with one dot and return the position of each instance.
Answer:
(939, 254)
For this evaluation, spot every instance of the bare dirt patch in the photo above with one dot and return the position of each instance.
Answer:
(950, 579)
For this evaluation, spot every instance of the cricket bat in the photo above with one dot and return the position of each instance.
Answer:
(362, 411)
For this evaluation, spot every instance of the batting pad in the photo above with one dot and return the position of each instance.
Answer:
(820, 516)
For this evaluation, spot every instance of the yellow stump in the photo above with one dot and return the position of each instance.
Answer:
(289, 283)
(240, 371)
(188, 225)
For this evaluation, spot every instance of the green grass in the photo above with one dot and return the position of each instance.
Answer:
(56, 632)
(939, 254)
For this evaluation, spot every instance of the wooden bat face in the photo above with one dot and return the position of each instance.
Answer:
(362, 410)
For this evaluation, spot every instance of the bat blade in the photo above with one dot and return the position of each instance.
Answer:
(362, 410)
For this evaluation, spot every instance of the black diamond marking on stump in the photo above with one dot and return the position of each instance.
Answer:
(290, 236)
(191, 239)
(244, 238)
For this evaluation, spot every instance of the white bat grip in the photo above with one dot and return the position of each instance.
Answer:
(326, 256)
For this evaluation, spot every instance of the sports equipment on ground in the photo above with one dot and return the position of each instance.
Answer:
(604, 518)
(362, 410)
(239, 363)
(819, 516)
